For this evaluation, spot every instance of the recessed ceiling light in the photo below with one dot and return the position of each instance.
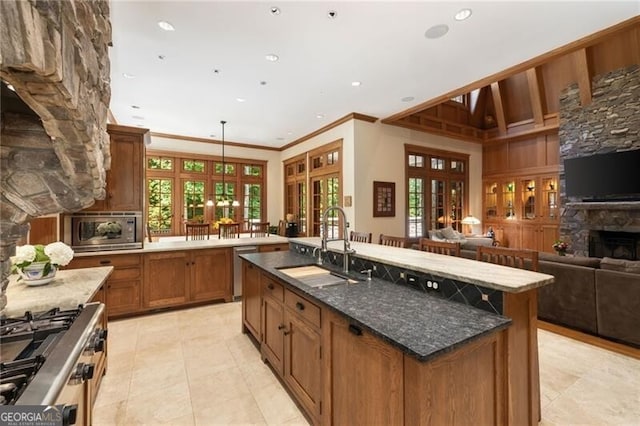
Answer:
(126, 75)
(166, 26)
(356, 83)
(274, 10)
(319, 115)
(240, 99)
(161, 57)
(271, 57)
(436, 31)
(462, 14)
(332, 14)
(216, 71)
(279, 139)
(10, 87)
(137, 117)
(135, 107)
(212, 135)
(407, 99)
(263, 83)
(289, 133)
(140, 125)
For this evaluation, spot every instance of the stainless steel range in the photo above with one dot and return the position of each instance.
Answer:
(51, 358)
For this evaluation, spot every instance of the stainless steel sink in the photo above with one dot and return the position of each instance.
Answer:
(316, 276)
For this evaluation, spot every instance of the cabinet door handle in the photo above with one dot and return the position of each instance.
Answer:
(270, 286)
(286, 333)
(354, 329)
(300, 306)
(105, 262)
(281, 326)
(276, 249)
(193, 263)
(187, 263)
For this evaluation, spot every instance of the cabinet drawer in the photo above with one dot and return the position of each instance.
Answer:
(273, 247)
(302, 307)
(115, 260)
(125, 274)
(272, 288)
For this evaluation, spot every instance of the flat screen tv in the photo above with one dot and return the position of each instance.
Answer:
(615, 175)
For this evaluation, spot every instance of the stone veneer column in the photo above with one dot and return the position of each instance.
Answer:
(55, 54)
(610, 123)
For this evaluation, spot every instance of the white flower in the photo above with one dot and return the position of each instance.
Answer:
(26, 253)
(59, 253)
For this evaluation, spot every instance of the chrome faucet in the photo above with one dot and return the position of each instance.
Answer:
(345, 236)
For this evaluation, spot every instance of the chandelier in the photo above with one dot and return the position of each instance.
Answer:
(225, 200)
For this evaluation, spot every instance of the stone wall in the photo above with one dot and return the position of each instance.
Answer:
(55, 54)
(610, 123)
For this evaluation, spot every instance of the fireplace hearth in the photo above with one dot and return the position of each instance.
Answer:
(619, 245)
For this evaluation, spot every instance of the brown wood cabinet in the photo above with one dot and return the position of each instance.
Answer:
(273, 247)
(125, 179)
(180, 277)
(166, 278)
(251, 299)
(273, 327)
(363, 376)
(523, 210)
(302, 352)
(124, 285)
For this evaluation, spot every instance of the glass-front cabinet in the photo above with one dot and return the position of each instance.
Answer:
(523, 211)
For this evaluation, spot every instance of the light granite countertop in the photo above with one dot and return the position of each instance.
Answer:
(179, 243)
(69, 289)
(504, 278)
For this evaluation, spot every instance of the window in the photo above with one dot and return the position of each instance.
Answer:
(436, 196)
(160, 204)
(193, 166)
(179, 194)
(160, 163)
(324, 188)
(193, 196)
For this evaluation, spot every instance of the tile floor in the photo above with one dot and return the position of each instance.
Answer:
(195, 367)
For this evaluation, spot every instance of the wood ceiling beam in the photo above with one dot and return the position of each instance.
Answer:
(497, 103)
(438, 131)
(583, 71)
(536, 95)
(516, 69)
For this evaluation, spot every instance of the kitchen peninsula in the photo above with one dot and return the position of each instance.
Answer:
(171, 273)
(385, 353)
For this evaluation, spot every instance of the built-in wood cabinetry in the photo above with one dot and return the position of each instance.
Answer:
(363, 376)
(523, 211)
(123, 287)
(273, 247)
(251, 301)
(179, 277)
(125, 177)
(272, 330)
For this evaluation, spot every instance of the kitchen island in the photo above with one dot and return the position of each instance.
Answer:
(428, 360)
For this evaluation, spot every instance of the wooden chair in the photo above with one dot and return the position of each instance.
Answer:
(197, 231)
(523, 259)
(259, 229)
(360, 237)
(229, 230)
(439, 247)
(387, 240)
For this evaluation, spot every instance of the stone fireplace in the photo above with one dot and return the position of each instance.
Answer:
(54, 147)
(611, 122)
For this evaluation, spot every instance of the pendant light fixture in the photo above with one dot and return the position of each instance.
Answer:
(225, 200)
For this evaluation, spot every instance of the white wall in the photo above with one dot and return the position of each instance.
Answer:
(380, 157)
(274, 165)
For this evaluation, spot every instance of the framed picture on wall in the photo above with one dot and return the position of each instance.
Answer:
(384, 199)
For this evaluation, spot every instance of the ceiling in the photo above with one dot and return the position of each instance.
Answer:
(380, 44)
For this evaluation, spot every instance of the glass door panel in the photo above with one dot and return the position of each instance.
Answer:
(251, 203)
(437, 218)
(225, 211)
(417, 211)
(528, 188)
(508, 199)
(456, 201)
(549, 190)
(160, 205)
(301, 212)
(193, 200)
(491, 200)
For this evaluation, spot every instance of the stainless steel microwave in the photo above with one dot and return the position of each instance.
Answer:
(96, 231)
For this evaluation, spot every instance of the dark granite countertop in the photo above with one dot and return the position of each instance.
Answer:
(420, 325)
